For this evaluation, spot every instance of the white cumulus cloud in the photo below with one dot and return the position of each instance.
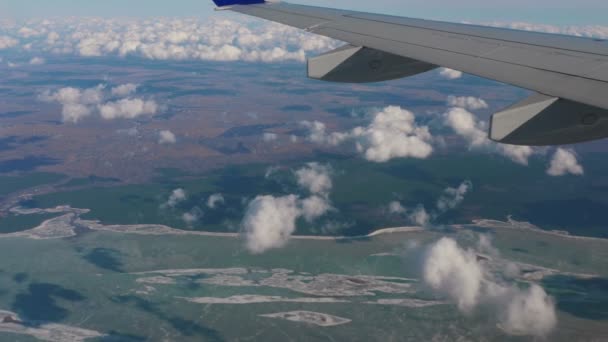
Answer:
(127, 108)
(564, 162)
(449, 199)
(391, 133)
(37, 61)
(396, 208)
(166, 137)
(7, 42)
(177, 196)
(420, 216)
(529, 312)
(467, 102)
(192, 216)
(269, 137)
(450, 74)
(474, 132)
(214, 200)
(270, 221)
(80, 103)
(457, 273)
(315, 177)
(452, 197)
(124, 89)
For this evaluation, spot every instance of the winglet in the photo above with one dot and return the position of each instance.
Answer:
(224, 3)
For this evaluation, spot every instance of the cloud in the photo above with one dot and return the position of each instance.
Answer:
(315, 177)
(177, 196)
(589, 31)
(270, 221)
(529, 312)
(420, 216)
(564, 162)
(449, 199)
(457, 273)
(166, 137)
(269, 137)
(467, 102)
(124, 89)
(193, 216)
(314, 207)
(396, 208)
(80, 103)
(450, 74)
(7, 42)
(27, 32)
(216, 39)
(317, 133)
(214, 200)
(37, 61)
(77, 103)
(391, 133)
(465, 125)
(132, 132)
(452, 197)
(127, 109)
(213, 39)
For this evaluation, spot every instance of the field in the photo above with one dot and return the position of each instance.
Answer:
(361, 194)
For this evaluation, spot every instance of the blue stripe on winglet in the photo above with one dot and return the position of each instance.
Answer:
(222, 3)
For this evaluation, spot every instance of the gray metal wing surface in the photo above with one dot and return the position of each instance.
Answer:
(570, 74)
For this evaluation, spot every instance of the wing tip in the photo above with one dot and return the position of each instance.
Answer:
(224, 3)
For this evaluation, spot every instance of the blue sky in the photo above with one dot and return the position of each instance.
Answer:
(539, 11)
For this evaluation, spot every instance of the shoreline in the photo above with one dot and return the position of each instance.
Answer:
(66, 225)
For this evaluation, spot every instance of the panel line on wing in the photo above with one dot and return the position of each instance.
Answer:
(473, 35)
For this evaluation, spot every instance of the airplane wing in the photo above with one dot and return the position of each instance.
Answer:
(569, 75)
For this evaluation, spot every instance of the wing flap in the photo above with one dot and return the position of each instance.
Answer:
(356, 64)
(544, 120)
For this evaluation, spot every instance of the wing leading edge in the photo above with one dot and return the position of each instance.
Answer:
(569, 74)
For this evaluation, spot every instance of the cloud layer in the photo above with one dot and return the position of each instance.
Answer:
(213, 39)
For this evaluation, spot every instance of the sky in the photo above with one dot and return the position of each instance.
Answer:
(557, 12)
